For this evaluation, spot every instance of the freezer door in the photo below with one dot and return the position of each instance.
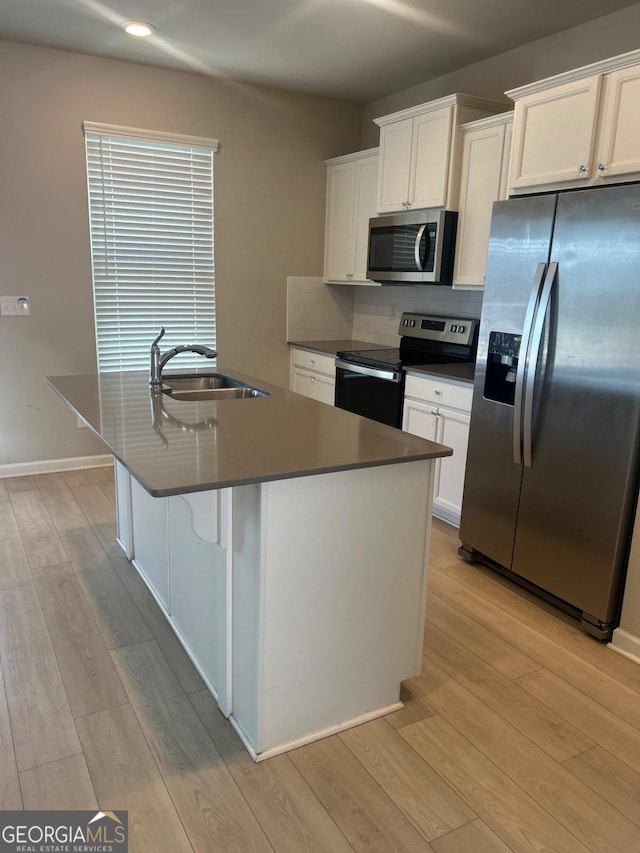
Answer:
(518, 253)
(577, 496)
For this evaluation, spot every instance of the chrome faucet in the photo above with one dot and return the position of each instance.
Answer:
(158, 359)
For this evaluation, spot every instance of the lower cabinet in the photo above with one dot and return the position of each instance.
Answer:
(313, 375)
(178, 545)
(150, 540)
(440, 411)
(199, 578)
(271, 609)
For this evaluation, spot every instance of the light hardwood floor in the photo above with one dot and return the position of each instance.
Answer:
(521, 734)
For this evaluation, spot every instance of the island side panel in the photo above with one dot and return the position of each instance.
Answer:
(246, 612)
(339, 596)
(124, 533)
(198, 588)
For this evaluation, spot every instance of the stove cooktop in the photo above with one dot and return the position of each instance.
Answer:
(395, 359)
(426, 339)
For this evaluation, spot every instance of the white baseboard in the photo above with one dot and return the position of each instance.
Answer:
(626, 644)
(50, 466)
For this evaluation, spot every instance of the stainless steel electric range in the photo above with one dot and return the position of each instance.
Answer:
(370, 382)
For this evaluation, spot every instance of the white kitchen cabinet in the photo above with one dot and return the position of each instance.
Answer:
(179, 546)
(440, 410)
(483, 180)
(579, 128)
(313, 375)
(150, 541)
(618, 151)
(352, 183)
(419, 152)
(200, 578)
(260, 597)
(124, 523)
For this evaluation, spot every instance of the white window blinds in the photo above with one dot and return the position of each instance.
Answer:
(151, 223)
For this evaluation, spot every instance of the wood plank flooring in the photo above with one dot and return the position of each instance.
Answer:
(521, 733)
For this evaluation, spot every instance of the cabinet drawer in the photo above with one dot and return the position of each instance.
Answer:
(440, 392)
(313, 361)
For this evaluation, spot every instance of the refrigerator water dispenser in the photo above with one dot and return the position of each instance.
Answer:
(502, 366)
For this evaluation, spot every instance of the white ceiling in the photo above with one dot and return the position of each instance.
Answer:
(360, 50)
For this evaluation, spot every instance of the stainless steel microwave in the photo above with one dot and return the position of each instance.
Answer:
(412, 248)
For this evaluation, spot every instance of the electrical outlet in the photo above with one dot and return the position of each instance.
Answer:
(392, 312)
(14, 306)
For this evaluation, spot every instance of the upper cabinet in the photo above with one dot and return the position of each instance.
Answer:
(483, 180)
(351, 201)
(419, 148)
(578, 129)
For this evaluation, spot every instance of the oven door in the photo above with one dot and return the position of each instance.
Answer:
(371, 392)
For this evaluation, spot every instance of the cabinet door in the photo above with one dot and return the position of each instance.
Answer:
(431, 143)
(303, 382)
(420, 419)
(483, 155)
(199, 589)
(124, 533)
(618, 150)
(366, 194)
(325, 389)
(454, 432)
(151, 540)
(341, 192)
(318, 386)
(395, 164)
(554, 135)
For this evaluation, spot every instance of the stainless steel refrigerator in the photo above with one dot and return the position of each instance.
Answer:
(552, 465)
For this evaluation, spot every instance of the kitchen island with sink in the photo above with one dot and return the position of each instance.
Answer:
(285, 540)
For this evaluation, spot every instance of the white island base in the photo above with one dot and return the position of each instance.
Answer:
(301, 601)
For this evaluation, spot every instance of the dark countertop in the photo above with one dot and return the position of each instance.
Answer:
(334, 347)
(176, 446)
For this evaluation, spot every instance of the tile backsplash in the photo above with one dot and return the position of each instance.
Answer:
(318, 311)
(373, 308)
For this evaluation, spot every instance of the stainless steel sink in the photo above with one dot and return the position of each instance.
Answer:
(209, 386)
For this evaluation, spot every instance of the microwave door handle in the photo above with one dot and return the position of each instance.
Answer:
(417, 247)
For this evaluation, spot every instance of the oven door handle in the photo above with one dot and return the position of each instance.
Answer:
(388, 375)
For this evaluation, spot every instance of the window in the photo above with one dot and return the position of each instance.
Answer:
(151, 224)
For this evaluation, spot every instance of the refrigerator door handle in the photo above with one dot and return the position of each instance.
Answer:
(527, 328)
(532, 360)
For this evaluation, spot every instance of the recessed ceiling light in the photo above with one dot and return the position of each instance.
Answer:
(138, 28)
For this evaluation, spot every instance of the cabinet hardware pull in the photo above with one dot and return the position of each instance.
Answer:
(582, 170)
(601, 168)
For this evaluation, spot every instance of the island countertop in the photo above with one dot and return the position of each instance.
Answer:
(177, 446)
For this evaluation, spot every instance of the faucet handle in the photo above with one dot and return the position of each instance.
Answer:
(161, 335)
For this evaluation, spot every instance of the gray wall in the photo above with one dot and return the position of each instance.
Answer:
(607, 36)
(269, 197)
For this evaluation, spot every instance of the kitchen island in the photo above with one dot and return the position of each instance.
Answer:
(286, 541)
